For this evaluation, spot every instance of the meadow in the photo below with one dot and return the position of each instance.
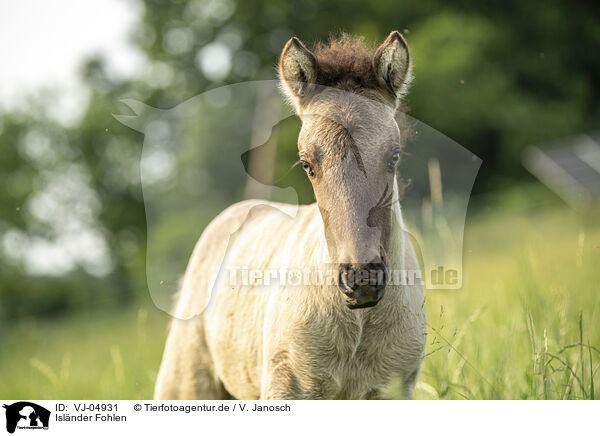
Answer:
(526, 324)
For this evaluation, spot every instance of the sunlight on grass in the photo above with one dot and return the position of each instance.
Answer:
(103, 356)
(525, 324)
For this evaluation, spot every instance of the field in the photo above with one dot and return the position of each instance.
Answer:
(526, 324)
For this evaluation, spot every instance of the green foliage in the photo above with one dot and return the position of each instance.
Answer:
(62, 182)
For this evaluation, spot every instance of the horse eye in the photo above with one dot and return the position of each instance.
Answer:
(307, 168)
(395, 159)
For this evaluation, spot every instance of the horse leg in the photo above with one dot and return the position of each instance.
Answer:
(187, 371)
(285, 381)
(281, 384)
(409, 381)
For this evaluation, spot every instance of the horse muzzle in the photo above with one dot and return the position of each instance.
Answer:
(363, 285)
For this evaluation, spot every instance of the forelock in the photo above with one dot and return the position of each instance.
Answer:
(346, 63)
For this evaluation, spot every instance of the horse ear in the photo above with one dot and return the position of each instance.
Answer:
(392, 65)
(297, 70)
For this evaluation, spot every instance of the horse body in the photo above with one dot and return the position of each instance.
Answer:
(318, 340)
(287, 342)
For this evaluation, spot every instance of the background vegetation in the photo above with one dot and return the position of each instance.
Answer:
(494, 76)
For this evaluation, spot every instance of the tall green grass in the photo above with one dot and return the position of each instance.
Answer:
(526, 324)
(105, 356)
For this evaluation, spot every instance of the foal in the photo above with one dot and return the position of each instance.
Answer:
(337, 340)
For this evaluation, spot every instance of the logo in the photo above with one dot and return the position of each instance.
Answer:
(26, 415)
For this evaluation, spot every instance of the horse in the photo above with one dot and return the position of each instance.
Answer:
(345, 338)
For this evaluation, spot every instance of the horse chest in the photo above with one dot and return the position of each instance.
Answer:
(362, 362)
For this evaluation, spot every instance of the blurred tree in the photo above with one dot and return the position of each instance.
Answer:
(493, 76)
(72, 223)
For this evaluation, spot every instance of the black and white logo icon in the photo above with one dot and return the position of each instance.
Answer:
(26, 415)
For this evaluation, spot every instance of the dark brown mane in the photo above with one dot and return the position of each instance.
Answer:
(346, 63)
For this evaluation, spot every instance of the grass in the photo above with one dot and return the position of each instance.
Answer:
(526, 324)
(105, 356)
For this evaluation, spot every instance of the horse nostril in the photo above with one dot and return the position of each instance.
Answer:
(378, 275)
(346, 277)
(366, 278)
